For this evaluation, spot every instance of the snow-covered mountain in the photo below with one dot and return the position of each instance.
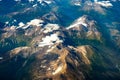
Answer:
(59, 40)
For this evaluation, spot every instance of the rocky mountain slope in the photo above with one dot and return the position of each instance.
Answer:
(59, 40)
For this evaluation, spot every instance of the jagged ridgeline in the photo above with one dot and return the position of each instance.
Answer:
(59, 40)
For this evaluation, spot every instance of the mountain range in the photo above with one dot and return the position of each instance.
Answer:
(59, 40)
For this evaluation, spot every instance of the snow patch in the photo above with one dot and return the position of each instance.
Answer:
(104, 3)
(1, 58)
(49, 50)
(77, 4)
(50, 40)
(15, 20)
(21, 24)
(43, 66)
(7, 22)
(50, 27)
(12, 27)
(40, 1)
(34, 5)
(48, 2)
(17, 0)
(35, 22)
(30, 0)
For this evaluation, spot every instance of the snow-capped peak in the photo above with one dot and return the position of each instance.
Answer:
(80, 21)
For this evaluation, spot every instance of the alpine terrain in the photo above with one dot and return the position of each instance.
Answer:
(59, 39)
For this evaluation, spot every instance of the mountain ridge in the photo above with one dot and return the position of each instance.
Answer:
(63, 40)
